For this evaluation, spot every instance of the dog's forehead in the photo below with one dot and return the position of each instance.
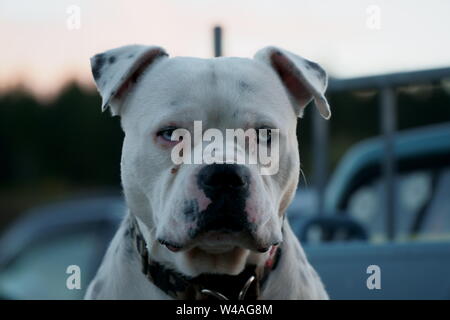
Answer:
(228, 76)
(246, 72)
(218, 84)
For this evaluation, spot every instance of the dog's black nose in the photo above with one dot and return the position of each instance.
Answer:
(223, 177)
(227, 186)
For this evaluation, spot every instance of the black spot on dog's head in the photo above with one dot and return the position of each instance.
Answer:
(244, 86)
(112, 59)
(99, 61)
(212, 75)
(190, 210)
(316, 68)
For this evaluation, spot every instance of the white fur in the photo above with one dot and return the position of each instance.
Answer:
(224, 93)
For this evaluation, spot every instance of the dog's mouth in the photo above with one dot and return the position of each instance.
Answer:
(170, 245)
(216, 242)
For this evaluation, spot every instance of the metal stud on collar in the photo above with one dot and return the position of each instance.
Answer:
(244, 290)
(214, 294)
(220, 296)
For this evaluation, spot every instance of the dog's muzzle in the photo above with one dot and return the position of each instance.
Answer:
(224, 222)
(227, 186)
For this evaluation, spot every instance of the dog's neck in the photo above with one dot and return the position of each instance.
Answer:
(246, 285)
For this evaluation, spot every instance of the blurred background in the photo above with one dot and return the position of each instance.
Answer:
(376, 178)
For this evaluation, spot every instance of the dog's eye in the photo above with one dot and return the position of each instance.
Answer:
(264, 135)
(167, 133)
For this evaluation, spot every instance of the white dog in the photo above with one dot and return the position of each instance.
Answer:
(198, 231)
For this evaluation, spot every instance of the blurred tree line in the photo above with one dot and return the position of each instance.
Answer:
(69, 144)
(68, 139)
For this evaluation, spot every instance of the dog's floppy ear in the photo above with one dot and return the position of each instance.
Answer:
(116, 70)
(304, 80)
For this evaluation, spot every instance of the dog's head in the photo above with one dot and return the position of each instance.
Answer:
(209, 216)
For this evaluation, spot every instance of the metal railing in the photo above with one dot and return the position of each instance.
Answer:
(386, 85)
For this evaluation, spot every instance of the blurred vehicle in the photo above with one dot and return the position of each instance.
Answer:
(422, 207)
(36, 251)
(302, 208)
(415, 264)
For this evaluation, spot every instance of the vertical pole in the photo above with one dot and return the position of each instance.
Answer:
(388, 126)
(217, 41)
(320, 156)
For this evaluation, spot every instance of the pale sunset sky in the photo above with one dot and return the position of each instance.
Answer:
(349, 37)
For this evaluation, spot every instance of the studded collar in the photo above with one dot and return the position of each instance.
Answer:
(244, 286)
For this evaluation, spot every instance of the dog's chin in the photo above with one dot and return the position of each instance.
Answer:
(227, 256)
(215, 259)
(216, 249)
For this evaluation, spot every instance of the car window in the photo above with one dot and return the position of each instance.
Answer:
(39, 272)
(421, 205)
(436, 223)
